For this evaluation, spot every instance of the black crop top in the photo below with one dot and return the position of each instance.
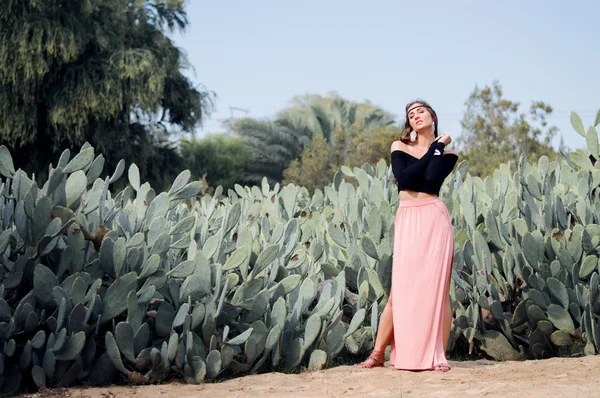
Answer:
(426, 174)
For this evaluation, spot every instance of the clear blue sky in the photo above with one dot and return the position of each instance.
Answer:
(260, 54)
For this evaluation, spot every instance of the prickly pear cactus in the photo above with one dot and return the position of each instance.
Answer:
(99, 286)
(525, 280)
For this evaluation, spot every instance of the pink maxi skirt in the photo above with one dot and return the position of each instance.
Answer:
(422, 266)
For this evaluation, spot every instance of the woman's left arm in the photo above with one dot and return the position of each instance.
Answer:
(441, 164)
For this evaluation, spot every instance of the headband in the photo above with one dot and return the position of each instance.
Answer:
(417, 107)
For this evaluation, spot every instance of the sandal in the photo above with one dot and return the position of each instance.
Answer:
(376, 359)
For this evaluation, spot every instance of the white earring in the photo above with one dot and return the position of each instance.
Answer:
(433, 127)
(413, 135)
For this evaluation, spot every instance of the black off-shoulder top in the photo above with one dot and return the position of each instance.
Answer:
(425, 174)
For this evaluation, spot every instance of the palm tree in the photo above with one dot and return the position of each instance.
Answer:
(274, 144)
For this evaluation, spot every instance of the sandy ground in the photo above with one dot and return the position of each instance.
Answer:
(556, 377)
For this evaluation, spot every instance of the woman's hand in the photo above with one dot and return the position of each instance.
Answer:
(445, 139)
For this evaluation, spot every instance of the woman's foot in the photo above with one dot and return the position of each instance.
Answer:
(442, 368)
(376, 359)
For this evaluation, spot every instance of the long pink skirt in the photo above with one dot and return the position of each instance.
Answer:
(422, 267)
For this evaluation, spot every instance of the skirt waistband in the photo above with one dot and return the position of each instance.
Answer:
(419, 202)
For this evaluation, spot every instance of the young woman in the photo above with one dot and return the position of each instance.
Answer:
(417, 317)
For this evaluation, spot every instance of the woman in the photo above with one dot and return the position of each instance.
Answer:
(417, 317)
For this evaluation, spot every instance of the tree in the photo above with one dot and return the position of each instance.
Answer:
(354, 146)
(102, 71)
(370, 146)
(312, 169)
(272, 144)
(495, 132)
(324, 115)
(219, 159)
(275, 144)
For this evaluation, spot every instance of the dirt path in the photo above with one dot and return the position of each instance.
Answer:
(556, 377)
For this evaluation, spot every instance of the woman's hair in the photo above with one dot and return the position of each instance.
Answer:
(407, 129)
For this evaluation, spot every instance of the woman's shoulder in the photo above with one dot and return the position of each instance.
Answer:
(398, 146)
(451, 152)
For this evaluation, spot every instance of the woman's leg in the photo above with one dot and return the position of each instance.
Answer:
(384, 334)
(385, 328)
(447, 323)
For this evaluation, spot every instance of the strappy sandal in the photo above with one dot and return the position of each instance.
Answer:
(376, 359)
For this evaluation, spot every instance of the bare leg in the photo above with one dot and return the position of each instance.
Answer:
(447, 325)
(385, 328)
(446, 322)
(384, 334)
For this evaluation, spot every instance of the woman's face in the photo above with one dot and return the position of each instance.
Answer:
(419, 117)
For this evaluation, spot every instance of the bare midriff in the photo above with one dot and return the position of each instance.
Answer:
(407, 194)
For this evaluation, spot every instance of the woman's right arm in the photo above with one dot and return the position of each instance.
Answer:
(406, 174)
(442, 163)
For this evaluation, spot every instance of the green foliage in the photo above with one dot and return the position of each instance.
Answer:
(144, 285)
(274, 278)
(104, 72)
(525, 272)
(495, 132)
(325, 115)
(222, 159)
(370, 145)
(275, 144)
(313, 169)
(352, 146)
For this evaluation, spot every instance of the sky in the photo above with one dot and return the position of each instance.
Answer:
(259, 55)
